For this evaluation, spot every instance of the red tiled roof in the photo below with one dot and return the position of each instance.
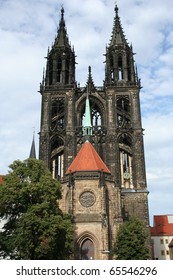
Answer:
(1, 179)
(163, 225)
(87, 159)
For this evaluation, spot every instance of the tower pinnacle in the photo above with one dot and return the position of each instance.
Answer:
(32, 151)
(116, 8)
(62, 12)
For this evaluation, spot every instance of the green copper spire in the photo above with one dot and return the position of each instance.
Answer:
(87, 127)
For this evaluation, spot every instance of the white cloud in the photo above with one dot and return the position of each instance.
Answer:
(27, 28)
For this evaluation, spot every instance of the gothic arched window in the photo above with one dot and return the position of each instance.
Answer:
(87, 250)
(59, 70)
(57, 153)
(125, 152)
(67, 71)
(96, 118)
(123, 104)
(58, 165)
(112, 67)
(57, 115)
(123, 112)
(120, 68)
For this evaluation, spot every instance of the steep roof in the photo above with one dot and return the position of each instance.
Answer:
(87, 159)
(32, 151)
(118, 36)
(163, 225)
(62, 38)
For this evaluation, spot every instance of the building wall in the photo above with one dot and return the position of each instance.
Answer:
(161, 249)
(117, 136)
(97, 213)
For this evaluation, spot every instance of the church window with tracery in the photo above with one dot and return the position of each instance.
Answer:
(123, 110)
(123, 104)
(57, 157)
(112, 68)
(58, 114)
(96, 118)
(125, 146)
(57, 166)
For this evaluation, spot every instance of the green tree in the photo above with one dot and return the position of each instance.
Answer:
(131, 241)
(35, 228)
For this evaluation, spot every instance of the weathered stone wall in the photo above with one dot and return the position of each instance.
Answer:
(96, 213)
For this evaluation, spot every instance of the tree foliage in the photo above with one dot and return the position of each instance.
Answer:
(131, 241)
(35, 227)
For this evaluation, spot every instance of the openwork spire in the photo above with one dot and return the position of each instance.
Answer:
(118, 36)
(119, 57)
(62, 38)
(60, 69)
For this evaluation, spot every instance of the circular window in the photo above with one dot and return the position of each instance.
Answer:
(87, 199)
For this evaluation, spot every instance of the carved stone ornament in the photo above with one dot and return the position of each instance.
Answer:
(87, 199)
(45, 98)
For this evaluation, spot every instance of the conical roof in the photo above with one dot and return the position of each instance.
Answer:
(87, 159)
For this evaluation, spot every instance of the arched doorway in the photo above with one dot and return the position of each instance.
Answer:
(87, 250)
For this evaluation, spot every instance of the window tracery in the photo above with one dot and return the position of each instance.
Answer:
(126, 161)
(57, 115)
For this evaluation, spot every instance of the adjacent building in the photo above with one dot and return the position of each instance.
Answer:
(162, 237)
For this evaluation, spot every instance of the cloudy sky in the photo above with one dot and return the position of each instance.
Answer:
(28, 27)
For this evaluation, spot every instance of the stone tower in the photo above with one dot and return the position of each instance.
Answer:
(100, 125)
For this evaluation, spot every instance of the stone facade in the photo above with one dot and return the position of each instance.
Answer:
(96, 209)
(117, 136)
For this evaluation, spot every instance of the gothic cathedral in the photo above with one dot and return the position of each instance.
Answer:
(91, 139)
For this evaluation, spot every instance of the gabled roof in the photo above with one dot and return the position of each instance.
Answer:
(163, 225)
(87, 159)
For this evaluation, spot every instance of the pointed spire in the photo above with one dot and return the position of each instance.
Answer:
(33, 151)
(62, 38)
(116, 8)
(87, 127)
(118, 36)
(90, 83)
(62, 12)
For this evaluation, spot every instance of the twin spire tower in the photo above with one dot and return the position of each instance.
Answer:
(91, 138)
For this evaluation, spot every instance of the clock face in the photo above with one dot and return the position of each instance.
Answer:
(126, 175)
